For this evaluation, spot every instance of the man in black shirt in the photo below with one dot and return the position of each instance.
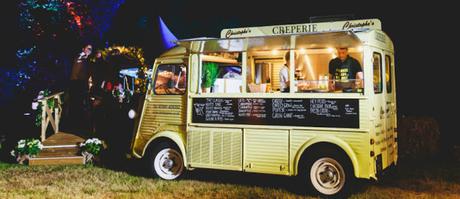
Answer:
(345, 68)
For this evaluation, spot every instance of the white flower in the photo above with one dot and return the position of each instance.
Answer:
(21, 142)
(40, 94)
(96, 141)
(13, 153)
(34, 105)
(21, 145)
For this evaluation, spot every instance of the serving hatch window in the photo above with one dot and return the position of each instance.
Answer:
(329, 70)
(269, 66)
(221, 73)
(266, 72)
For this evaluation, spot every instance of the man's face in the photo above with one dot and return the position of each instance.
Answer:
(342, 53)
(88, 49)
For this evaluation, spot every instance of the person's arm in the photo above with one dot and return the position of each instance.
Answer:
(358, 70)
(331, 75)
(359, 74)
(285, 75)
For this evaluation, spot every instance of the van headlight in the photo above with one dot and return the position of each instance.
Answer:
(131, 114)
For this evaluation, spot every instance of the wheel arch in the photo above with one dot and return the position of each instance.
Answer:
(318, 143)
(167, 136)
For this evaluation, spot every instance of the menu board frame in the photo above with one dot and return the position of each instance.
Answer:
(312, 112)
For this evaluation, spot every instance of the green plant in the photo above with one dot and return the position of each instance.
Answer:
(92, 146)
(29, 147)
(210, 72)
(38, 106)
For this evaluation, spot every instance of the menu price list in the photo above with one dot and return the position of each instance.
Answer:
(277, 111)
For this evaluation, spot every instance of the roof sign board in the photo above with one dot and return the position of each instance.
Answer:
(300, 28)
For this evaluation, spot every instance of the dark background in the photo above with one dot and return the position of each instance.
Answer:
(424, 34)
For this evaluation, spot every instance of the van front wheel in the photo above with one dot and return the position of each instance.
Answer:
(328, 175)
(166, 162)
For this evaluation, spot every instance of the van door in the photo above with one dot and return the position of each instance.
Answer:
(390, 109)
(378, 108)
(164, 107)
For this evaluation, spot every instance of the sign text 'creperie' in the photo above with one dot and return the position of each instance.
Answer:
(301, 28)
(293, 29)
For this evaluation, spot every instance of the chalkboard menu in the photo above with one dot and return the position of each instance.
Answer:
(277, 111)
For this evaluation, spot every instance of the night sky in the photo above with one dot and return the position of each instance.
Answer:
(423, 35)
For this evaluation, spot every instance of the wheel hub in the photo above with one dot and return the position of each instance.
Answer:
(168, 164)
(327, 176)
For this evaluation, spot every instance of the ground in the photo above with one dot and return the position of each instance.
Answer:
(17, 181)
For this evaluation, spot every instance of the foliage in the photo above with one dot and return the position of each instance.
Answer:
(64, 23)
(210, 72)
(29, 147)
(38, 106)
(92, 146)
(418, 138)
(136, 57)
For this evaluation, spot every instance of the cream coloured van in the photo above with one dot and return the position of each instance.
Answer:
(217, 104)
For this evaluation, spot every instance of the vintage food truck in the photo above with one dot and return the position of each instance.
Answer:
(216, 103)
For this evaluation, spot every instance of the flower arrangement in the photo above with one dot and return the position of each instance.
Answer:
(37, 106)
(90, 148)
(136, 56)
(26, 148)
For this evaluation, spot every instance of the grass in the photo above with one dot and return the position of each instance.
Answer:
(17, 181)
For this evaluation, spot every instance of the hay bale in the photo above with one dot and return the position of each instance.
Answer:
(418, 138)
(456, 153)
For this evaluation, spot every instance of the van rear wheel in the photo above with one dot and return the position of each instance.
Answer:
(327, 176)
(165, 161)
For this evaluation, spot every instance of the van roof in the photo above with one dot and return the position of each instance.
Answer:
(278, 42)
(289, 29)
(309, 35)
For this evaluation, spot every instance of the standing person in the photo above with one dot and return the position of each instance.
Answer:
(110, 106)
(78, 92)
(343, 69)
(284, 73)
(97, 73)
(114, 65)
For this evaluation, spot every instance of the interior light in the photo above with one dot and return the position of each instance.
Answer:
(302, 51)
(330, 50)
(360, 49)
(274, 52)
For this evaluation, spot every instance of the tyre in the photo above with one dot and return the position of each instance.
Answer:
(165, 161)
(328, 174)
